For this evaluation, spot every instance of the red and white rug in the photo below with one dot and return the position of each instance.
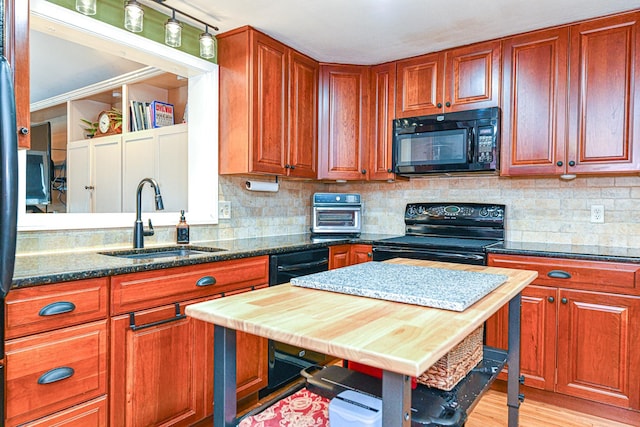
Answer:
(301, 409)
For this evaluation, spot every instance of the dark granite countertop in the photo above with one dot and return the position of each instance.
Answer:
(557, 250)
(39, 269)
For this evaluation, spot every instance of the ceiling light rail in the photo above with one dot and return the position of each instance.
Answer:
(134, 22)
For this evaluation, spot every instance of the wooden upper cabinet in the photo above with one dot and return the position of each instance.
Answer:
(303, 116)
(16, 50)
(585, 126)
(268, 106)
(534, 106)
(342, 152)
(464, 78)
(472, 77)
(420, 85)
(604, 126)
(382, 92)
(269, 112)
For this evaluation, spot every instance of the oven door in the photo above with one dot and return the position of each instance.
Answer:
(385, 252)
(336, 219)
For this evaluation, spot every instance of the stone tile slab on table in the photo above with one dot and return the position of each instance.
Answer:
(431, 287)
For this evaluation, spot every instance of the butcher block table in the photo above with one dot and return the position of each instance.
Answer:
(402, 339)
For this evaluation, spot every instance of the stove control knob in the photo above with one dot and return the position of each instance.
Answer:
(421, 210)
(411, 211)
(484, 212)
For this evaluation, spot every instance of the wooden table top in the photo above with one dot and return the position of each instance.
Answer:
(398, 337)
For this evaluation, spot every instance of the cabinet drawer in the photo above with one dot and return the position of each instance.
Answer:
(92, 413)
(52, 371)
(44, 308)
(571, 273)
(138, 291)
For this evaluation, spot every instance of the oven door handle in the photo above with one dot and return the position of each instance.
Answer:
(434, 253)
(302, 266)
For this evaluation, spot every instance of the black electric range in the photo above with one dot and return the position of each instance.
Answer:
(450, 232)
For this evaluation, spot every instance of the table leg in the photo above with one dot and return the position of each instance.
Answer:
(513, 361)
(224, 377)
(396, 399)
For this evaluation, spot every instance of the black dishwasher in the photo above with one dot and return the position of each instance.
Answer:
(286, 361)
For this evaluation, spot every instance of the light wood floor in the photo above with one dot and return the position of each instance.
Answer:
(492, 410)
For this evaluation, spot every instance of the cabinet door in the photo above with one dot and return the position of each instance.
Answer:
(158, 372)
(534, 103)
(339, 256)
(343, 122)
(360, 254)
(598, 336)
(604, 126)
(420, 85)
(537, 335)
(383, 91)
(269, 100)
(106, 158)
(472, 77)
(78, 177)
(303, 116)
(16, 49)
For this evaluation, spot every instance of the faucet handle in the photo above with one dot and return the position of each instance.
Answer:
(148, 232)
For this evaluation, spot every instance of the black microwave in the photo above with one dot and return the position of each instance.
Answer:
(464, 141)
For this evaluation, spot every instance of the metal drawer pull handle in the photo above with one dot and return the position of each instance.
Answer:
(59, 307)
(559, 274)
(55, 375)
(132, 320)
(206, 281)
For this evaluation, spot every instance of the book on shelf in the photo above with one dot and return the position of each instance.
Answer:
(149, 115)
(161, 114)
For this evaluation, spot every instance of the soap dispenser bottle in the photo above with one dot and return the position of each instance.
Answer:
(182, 230)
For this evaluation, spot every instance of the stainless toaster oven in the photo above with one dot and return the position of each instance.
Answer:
(336, 213)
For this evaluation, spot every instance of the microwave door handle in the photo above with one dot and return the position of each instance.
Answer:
(471, 140)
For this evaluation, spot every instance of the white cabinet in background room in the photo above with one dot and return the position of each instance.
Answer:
(161, 154)
(92, 185)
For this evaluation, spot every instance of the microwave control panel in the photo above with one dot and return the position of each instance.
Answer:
(486, 144)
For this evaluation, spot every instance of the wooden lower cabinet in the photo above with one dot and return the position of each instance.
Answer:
(349, 254)
(161, 361)
(71, 369)
(90, 414)
(577, 342)
(158, 372)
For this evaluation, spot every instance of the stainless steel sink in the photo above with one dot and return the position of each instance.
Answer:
(166, 252)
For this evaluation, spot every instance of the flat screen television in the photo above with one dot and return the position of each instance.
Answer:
(38, 171)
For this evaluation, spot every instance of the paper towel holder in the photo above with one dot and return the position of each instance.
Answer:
(263, 186)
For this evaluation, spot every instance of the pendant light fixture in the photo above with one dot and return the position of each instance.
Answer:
(207, 44)
(133, 16)
(134, 22)
(173, 32)
(86, 7)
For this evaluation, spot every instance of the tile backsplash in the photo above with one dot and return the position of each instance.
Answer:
(538, 210)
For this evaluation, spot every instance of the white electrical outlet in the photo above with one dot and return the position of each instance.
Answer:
(224, 210)
(597, 213)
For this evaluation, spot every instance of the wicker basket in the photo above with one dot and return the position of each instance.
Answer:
(455, 365)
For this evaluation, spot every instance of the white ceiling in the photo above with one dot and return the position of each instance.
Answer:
(340, 31)
(376, 31)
